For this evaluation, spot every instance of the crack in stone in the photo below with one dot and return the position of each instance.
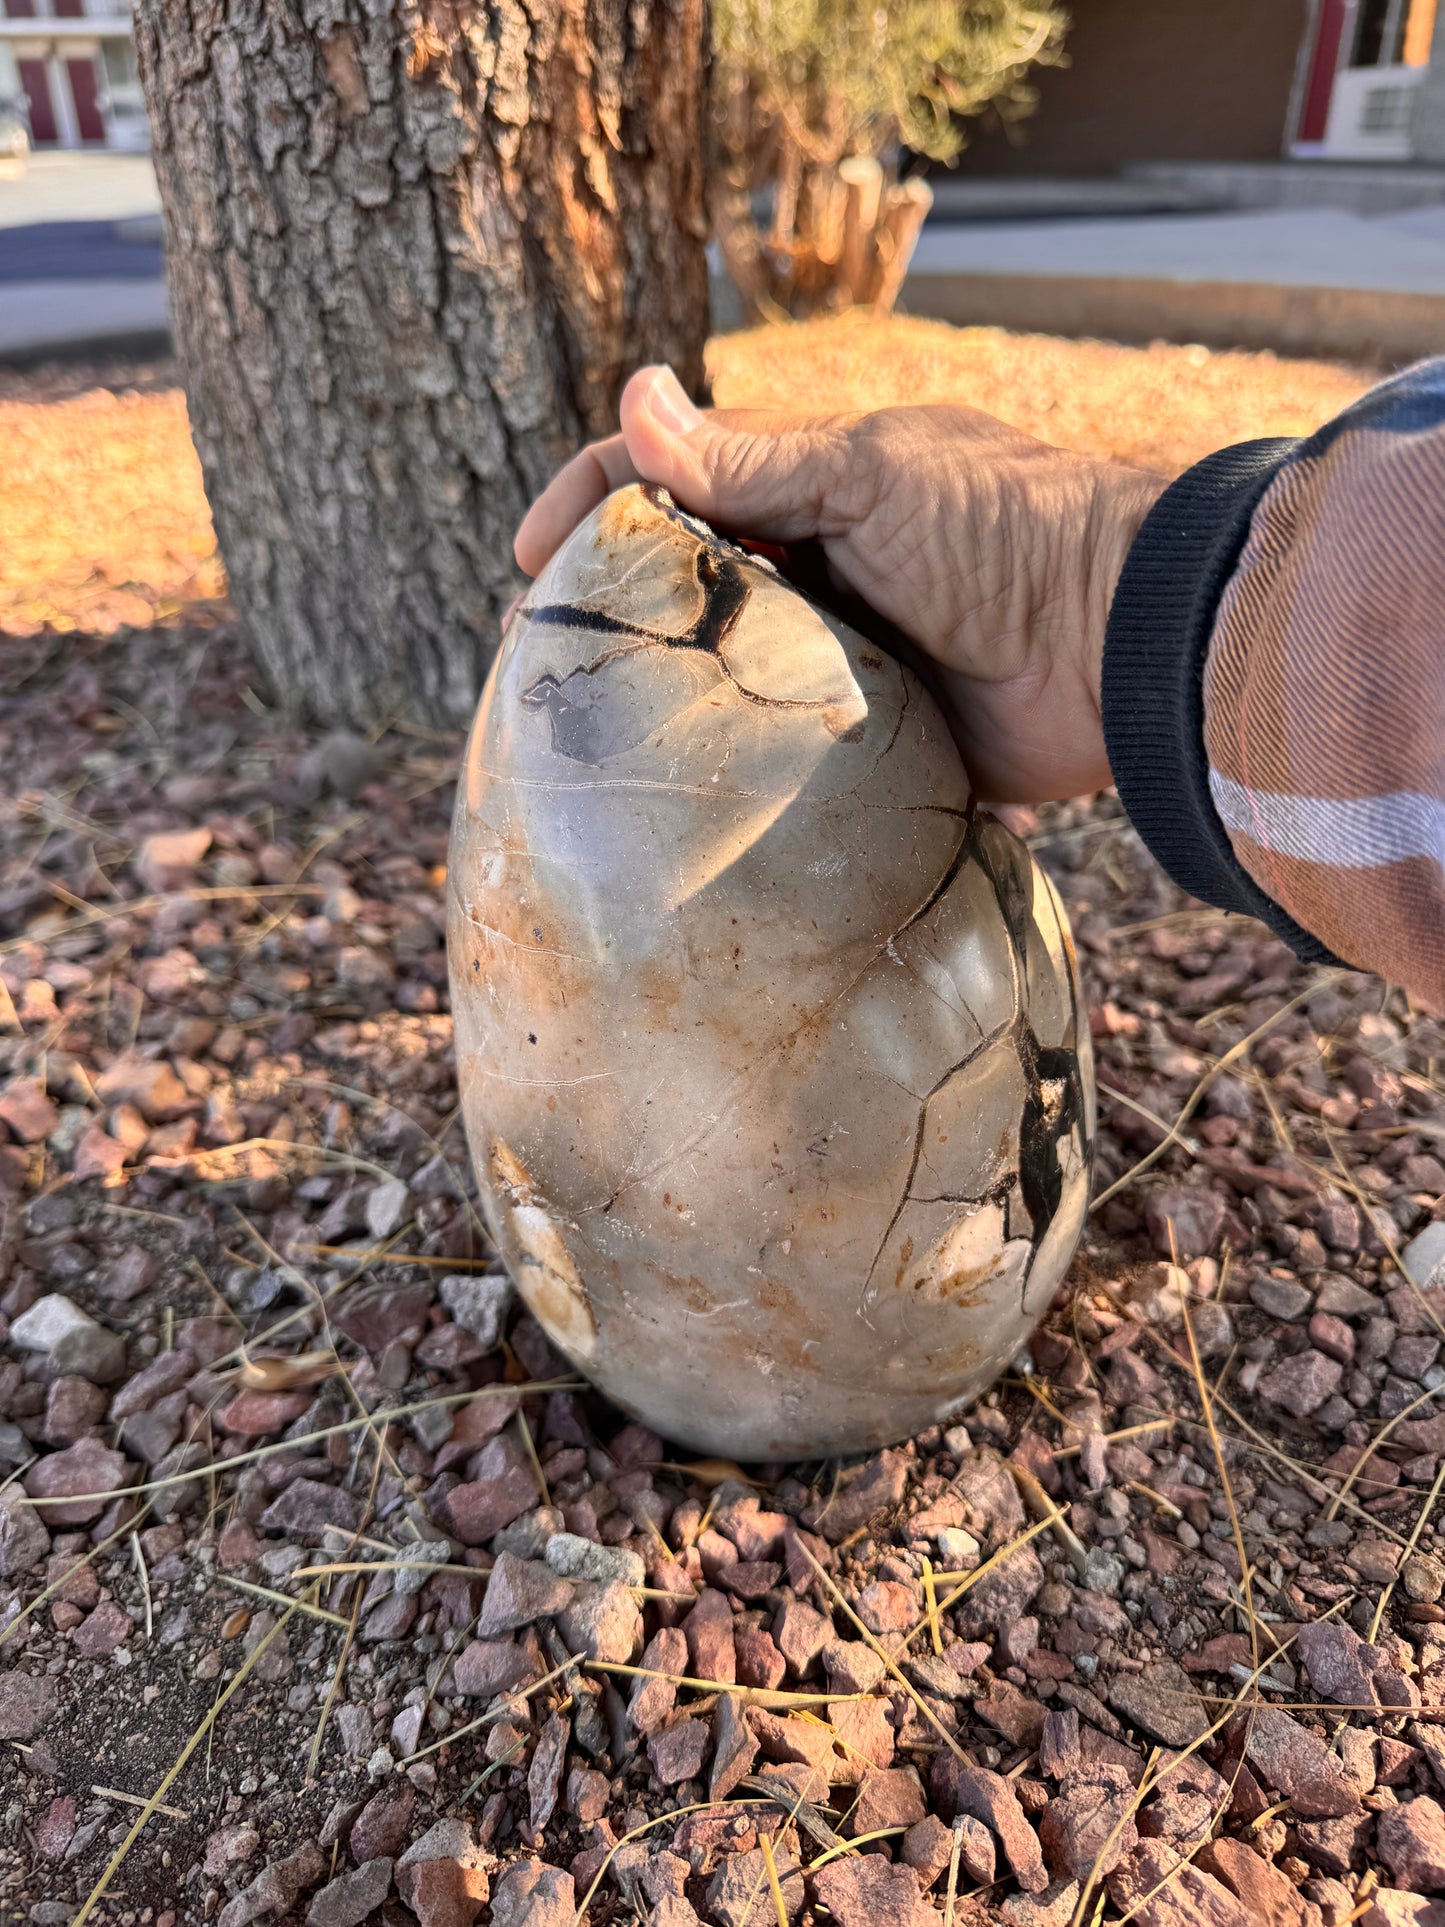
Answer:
(724, 593)
(995, 1036)
(1044, 1124)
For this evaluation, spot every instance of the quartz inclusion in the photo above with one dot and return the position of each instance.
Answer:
(769, 1042)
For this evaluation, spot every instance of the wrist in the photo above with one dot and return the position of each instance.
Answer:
(1120, 502)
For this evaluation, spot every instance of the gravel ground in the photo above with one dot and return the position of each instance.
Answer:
(328, 1593)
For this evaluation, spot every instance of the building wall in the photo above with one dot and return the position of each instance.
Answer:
(1157, 80)
(1428, 131)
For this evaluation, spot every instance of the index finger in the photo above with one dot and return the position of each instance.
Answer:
(570, 496)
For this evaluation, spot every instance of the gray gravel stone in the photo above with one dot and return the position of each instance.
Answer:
(479, 1305)
(23, 1538)
(351, 1897)
(576, 1558)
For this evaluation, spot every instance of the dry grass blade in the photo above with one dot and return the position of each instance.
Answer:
(374, 1254)
(1410, 1545)
(852, 1846)
(951, 1893)
(1196, 1096)
(366, 1423)
(808, 1816)
(143, 1579)
(1044, 1510)
(1112, 1438)
(281, 1599)
(1356, 1471)
(708, 1472)
(1386, 1236)
(765, 1841)
(1093, 1878)
(882, 1652)
(152, 1805)
(994, 1560)
(768, 1697)
(930, 1601)
(147, 906)
(135, 1800)
(502, 1711)
(336, 1672)
(1254, 1440)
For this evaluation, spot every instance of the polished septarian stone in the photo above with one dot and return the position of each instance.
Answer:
(769, 1041)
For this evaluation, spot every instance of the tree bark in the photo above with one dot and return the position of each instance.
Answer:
(415, 248)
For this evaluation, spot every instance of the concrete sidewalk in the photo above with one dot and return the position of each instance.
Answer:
(80, 256)
(1304, 280)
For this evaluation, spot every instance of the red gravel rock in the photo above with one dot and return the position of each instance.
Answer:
(98, 1636)
(530, 1894)
(87, 1467)
(1296, 1762)
(602, 1622)
(503, 1486)
(990, 1798)
(886, 1607)
(865, 1890)
(1156, 1890)
(749, 1579)
(444, 1892)
(708, 1629)
(73, 1408)
(520, 1591)
(677, 1751)
(381, 1829)
(756, 1533)
(1411, 1842)
(887, 1797)
(872, 1490)
(928, 1847)
(490, 1666)
(653, 1699)
(1302, 1384)
(306, 1508)
(253, 1415)
(26, 1703)
(1089, 1825)
(759, 1662)
(865, 1737)
(1195, 1216)
(158, 1380)
(735, 1747)
(1268, 1896)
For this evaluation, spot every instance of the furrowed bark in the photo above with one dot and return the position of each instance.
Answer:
(415, 249)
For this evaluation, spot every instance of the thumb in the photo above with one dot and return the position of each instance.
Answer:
(774, 477)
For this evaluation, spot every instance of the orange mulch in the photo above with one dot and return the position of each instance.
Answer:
(103, 517)
(1163, 407)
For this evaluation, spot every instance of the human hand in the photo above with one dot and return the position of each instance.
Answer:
(994, 553)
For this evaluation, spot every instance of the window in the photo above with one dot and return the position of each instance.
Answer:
(1379, 39)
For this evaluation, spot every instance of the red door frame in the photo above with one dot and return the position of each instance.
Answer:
(80, 71)
(35, 79)
(1330, 23)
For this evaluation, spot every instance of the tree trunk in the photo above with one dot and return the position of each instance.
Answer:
(415, 249)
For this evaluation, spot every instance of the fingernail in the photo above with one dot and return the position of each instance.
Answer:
(668, 403)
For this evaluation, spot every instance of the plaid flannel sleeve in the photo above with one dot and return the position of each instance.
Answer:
(1274, 683)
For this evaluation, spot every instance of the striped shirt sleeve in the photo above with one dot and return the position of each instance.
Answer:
(1274, 683)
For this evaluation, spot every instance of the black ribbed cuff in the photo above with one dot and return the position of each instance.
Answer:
(1153, 678)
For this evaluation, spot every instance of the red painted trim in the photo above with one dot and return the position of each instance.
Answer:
(1324, 64)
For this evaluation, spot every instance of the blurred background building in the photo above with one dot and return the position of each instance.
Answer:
(1177, 83)
(1207, 83)
(69, 66)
